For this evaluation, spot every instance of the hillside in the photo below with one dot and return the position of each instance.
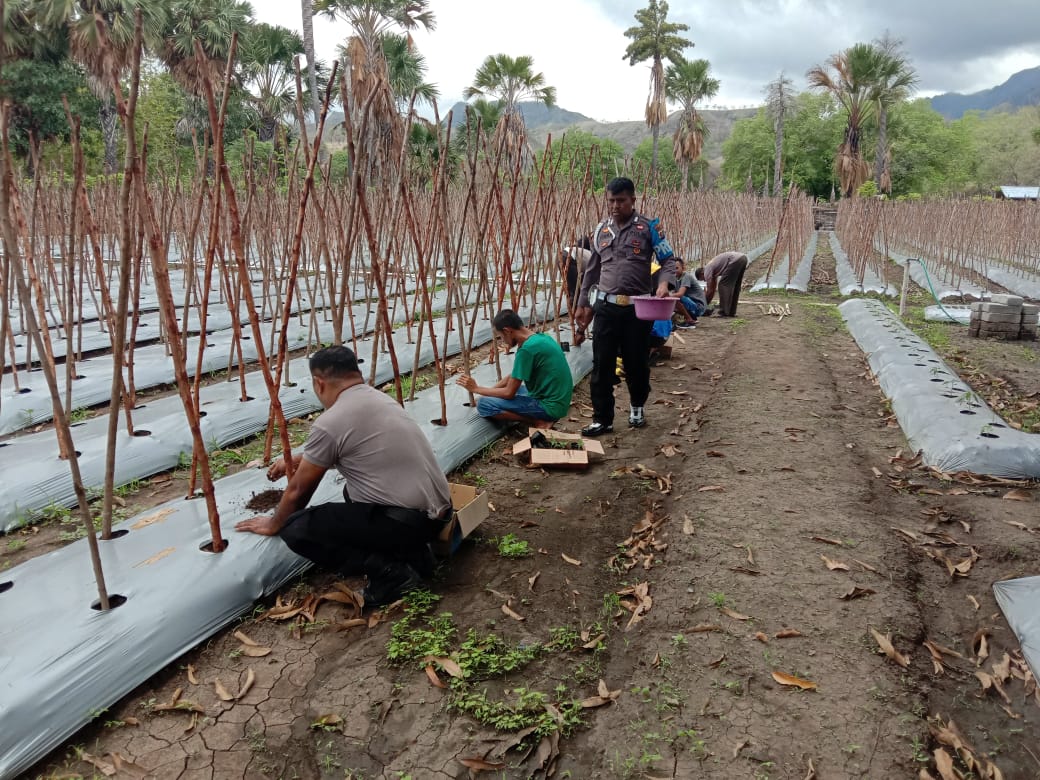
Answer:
(542, 121)
(1022, 89)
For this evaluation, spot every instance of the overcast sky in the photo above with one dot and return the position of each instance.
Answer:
(956, 45)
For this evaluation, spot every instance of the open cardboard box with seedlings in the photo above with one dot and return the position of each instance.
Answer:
(556, 449)
(470, 508)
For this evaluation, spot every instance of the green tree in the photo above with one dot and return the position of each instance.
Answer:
(748, 153)
(896, 78)
(100, 37)
(656, 39)
(267, 55)
(510, 80)
(210, 22)
(581, 157)
(35, 89)
(929, 155)
(779, 103)
(368, 76)
(851, 77)
(667, 174)
(406, 69)
(687, 82)
(479, 123)
(1003, 149)
(161, 105)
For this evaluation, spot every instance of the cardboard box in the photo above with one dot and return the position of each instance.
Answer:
(563, 456)
(470, 510)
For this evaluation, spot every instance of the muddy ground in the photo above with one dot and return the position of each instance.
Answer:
(725, 572)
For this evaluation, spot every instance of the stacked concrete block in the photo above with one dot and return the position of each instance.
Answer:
(1005, 317)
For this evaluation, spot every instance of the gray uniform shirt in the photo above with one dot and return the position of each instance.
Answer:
(694, 290)
(381, 452)
(620, 261)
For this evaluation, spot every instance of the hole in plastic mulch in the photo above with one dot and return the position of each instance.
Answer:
(203, 413)
(997, 425)
(78, 377)
(6, 586)
(989, 435)
(117, 534)
(438, 421)
(207, 546)
(114, 600)
(967, 411)
(24, 390)
(247, 398)
(935, 380)
(141, 432)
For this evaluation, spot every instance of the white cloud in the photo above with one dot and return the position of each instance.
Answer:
(956, 45)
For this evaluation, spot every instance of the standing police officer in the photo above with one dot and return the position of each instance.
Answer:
(623, 247)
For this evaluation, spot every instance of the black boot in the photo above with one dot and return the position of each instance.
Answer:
(422, 560)
(388, 580)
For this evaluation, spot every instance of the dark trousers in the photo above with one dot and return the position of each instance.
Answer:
(341, 536)
(729, 287)
(615, 331)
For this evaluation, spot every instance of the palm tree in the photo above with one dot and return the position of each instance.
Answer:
(307, 12)
(406, 69)
(210, 22)
(656, 39)
(366, 64)
(511, 80)
(896, 79)
(851, 76)
(687, 82)
(100, 36)
(779, 102)
(266, 54)
(482, 113)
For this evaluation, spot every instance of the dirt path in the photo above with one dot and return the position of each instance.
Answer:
(761, 496)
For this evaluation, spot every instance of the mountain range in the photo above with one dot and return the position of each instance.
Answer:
(1022, 89)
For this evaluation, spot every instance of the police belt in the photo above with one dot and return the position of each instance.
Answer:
(617, 300)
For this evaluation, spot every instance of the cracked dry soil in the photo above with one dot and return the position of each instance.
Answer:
(779, 455)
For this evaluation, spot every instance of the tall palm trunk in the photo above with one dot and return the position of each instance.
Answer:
(778, 153)
(882, 149)
(307, 10)
(109, 133)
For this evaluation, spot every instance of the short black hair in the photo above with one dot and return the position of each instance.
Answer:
(507, 318)
(699, 274)
(621, 186)
(334, 362)
(680, 260)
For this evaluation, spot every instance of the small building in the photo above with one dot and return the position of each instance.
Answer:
(1018, 193)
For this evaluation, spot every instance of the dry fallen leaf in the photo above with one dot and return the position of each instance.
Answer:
(797, 682)
(856, 592)
(512, 614)
(834, 565)
(825, 540)
(532, 580)
(687, 525)
(478, 764)
(245, 639)
(735, 615)
(191, 675)
(104, 767)
(787, 633)
(246, 684)
(327, 722)
(885, 643)
(222, 692)
(254, 652)
(447, 664)
(975, 602)
(431, 674)
(944, 765)
(571, 561)
(761, 637)
(708, 488)
(1018, 495)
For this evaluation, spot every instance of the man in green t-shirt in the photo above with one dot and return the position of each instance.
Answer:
(538, 391)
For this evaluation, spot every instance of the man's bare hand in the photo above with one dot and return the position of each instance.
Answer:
(662, 290)
(582, 318)
(260, 524)
(277, 469)
(467, 382)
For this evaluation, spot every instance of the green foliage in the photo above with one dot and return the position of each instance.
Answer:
(929, 155)
(35, 89)
(418, 634)
(1002, 148)
(569, 157)
(511, 547)
(867, 189)
(668, 175)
